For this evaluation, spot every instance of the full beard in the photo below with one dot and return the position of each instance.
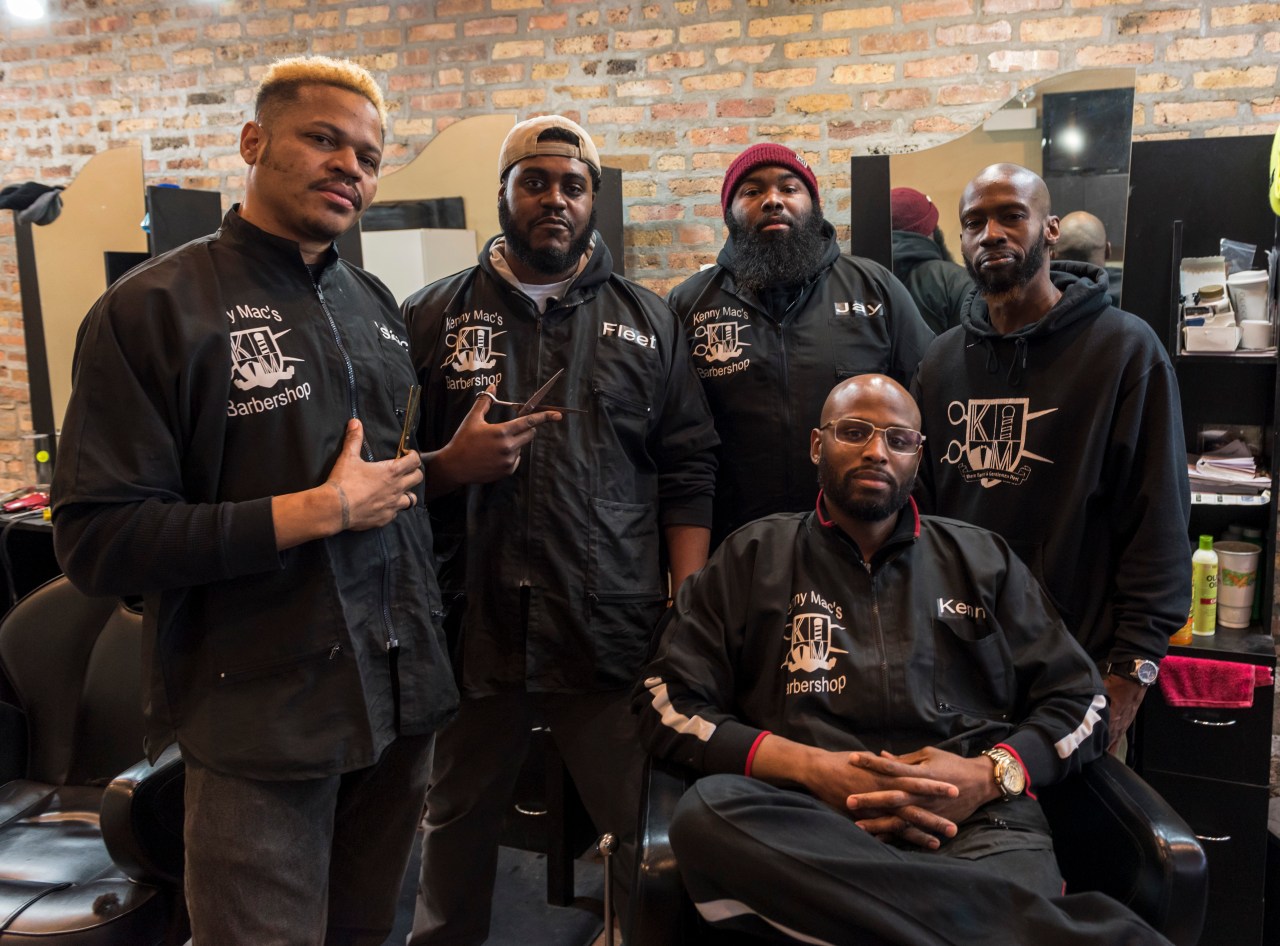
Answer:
(787, 259)
(998, 285)
(840, 492)
(547, 260)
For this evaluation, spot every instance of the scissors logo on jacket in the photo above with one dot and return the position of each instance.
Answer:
(256, 358)
(723, 341)
(472, 348)
(995, 442)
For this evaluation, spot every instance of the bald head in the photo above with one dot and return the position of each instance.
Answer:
(854, 397)
(1027, 183)
(1082, 237)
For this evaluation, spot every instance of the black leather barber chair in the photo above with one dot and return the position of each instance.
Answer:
(1112, 833)
(84, 860)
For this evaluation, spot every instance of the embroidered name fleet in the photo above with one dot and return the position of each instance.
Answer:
(628, 334)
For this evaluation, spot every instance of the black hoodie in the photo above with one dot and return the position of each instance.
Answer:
(766, 379)
(939, 286)
(1066, 438)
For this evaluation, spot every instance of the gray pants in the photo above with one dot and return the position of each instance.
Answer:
(477, 759)
(301, 863)
(782, 865)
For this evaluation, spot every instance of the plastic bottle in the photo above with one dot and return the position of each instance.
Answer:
(1204, 589)
(1183, 636)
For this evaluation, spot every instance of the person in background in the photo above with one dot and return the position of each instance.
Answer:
(553, 549)
(939, 286)
(230, 451)
(1054, 420)
(781, 316)
(860, 674)
(1083, 237)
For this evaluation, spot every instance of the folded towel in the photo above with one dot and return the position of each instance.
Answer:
(1193, 681)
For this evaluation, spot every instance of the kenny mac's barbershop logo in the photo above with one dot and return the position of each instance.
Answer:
(810, 651)
(994, 448)
(719, 342)
(471, 348)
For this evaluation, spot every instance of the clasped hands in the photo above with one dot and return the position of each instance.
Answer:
(918, 798)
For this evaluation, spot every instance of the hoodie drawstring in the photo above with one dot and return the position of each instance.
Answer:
(1019, 366)
(993, 363)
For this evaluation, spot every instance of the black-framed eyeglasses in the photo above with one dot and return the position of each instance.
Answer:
(858, 433)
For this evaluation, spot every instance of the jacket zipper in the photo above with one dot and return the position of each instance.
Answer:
(529, 481)
(880, 645)
(392, 642)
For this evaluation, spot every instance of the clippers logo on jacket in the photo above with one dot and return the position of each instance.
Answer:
(810, 650)
(994, 447)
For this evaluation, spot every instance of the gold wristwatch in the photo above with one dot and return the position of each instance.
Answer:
(1010, 778)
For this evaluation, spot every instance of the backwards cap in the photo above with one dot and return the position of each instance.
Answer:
(522, 142)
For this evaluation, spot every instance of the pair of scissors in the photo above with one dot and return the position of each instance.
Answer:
(534, 402)
(410, 419)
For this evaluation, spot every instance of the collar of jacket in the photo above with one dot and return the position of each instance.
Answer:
(905, 531)
(239, 232)
(598, 269)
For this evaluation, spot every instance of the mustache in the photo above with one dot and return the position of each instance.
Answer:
(776, 218)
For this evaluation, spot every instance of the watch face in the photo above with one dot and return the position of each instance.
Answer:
(1012, 777)
(1146, 671)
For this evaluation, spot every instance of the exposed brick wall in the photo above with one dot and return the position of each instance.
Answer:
(671, 90)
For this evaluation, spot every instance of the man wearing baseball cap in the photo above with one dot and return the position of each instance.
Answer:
(550, 536)
(939, 285)
(780, 318)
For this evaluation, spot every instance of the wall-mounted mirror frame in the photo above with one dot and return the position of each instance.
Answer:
(943, 170)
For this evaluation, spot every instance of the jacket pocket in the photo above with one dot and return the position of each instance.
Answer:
(623, 550)
(971, 674)
(281, 665)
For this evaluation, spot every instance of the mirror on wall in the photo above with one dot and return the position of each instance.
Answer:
(1074, 130)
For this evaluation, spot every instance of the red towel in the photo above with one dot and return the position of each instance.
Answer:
(1193, 681)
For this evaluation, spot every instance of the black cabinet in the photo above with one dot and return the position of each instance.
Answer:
(1212, 764)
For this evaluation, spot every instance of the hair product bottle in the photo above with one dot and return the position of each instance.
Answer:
(1204, 588)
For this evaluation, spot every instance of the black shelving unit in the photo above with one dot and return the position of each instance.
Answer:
(1212, 764)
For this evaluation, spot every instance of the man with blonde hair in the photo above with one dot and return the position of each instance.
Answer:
(231, 451)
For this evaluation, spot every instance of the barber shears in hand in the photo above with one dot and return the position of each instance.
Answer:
(534, 403)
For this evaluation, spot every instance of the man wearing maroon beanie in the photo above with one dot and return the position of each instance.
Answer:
(780, 318)
(939, 285)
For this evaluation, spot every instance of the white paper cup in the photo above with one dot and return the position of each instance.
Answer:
(1255, 334)
(1249, 294)
(1237, 575)
(1229, 616)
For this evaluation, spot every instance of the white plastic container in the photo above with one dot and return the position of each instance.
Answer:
(1249, 294)
(1211, 337)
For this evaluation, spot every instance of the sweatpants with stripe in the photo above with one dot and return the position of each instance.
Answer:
(781, 864)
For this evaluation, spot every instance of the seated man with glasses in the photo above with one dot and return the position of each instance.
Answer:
(874, 697)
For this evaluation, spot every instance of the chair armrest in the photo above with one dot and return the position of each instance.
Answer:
(142, 812)
(658, 900)
(13, 743)
(1115, 834)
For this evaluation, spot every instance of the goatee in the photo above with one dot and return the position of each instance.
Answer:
(789, 258)
(839, 492)
(547, 260)
(1001, 284)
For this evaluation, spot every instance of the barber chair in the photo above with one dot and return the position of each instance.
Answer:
(1112, 833)
(84, 860)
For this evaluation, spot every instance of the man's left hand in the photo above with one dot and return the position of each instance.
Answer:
(974, 778)
(1125, 696)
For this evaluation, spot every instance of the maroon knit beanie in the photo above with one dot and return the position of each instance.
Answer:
(760, 156)
(911, 210)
